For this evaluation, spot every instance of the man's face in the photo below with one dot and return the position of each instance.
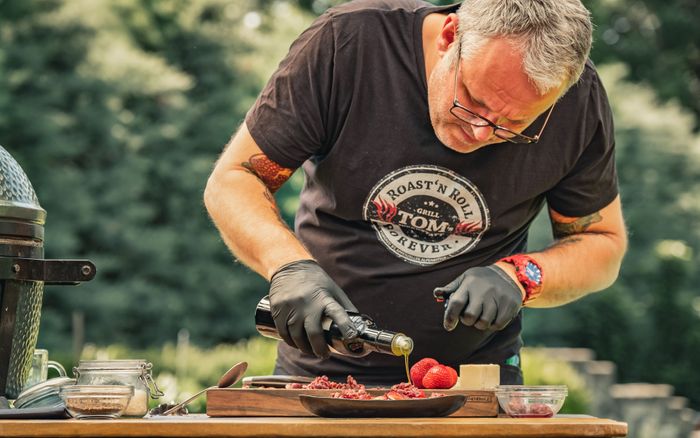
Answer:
(492, 84)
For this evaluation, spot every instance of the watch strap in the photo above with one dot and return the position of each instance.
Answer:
(532, 288)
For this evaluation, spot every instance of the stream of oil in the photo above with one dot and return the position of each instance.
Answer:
(405, 361)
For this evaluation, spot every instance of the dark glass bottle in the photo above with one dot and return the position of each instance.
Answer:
(368, 339)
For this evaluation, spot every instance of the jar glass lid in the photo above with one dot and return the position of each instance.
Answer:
(115, 364)
(30, 396)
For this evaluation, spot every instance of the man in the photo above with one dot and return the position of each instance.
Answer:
(430, 138)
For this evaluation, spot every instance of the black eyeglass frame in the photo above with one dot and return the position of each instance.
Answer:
(515, 137)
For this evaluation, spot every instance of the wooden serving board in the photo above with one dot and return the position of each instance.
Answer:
(264, 402)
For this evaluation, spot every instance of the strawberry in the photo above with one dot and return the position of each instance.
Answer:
(438, 377)
(454, 375)
(419, 369)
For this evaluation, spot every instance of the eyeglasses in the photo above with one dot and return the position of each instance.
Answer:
(468, 116)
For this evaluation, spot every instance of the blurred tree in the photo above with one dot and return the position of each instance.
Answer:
(658, 40)
(117, 111)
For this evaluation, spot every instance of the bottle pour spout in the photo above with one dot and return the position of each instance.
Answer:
(401, 345)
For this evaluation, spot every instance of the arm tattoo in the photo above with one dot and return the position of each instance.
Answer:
(270, 173)
(565, 241)
(580, 225)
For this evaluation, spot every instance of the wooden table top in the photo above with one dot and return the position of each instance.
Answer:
(201, 425)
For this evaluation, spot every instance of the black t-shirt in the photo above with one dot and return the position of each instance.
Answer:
(391, 213)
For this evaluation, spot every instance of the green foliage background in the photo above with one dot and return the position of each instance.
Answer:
(118, 109)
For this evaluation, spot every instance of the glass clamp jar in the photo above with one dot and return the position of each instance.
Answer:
(134, 372)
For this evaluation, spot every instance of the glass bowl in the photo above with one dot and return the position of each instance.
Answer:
(531, 401)
(96, 401)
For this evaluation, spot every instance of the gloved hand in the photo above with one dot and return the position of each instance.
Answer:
(301, 294)
(483, 297)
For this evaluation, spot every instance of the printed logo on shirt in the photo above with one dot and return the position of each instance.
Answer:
(427, 214)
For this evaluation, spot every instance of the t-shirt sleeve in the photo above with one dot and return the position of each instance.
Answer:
(288, 120)
(592, 182)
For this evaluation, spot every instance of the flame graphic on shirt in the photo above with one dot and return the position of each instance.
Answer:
(466, 228)
(385, 210)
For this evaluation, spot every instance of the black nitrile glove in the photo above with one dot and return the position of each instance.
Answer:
(485, 297)
(301, 294)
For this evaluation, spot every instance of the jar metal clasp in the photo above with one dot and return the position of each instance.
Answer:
(149, 382)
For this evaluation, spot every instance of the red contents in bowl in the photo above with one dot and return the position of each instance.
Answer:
(400, 391)
(355, 391)
(517, 408)
(323, 382)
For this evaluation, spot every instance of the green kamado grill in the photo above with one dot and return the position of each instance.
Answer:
(23, 273)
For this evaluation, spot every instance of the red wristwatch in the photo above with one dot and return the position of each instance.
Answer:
(529, 274)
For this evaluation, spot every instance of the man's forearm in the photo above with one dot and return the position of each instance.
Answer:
(245, 212)
(578, 265)
(251, 227)
(585, 258)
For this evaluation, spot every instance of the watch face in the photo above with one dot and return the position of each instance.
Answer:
(533, 272)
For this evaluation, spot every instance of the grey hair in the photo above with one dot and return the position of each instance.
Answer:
(554, 36)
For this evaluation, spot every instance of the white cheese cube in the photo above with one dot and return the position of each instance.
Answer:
(479, 376)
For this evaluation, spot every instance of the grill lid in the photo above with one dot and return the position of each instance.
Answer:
(21, 216)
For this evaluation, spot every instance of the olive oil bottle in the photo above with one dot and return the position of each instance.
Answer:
(369, 338)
